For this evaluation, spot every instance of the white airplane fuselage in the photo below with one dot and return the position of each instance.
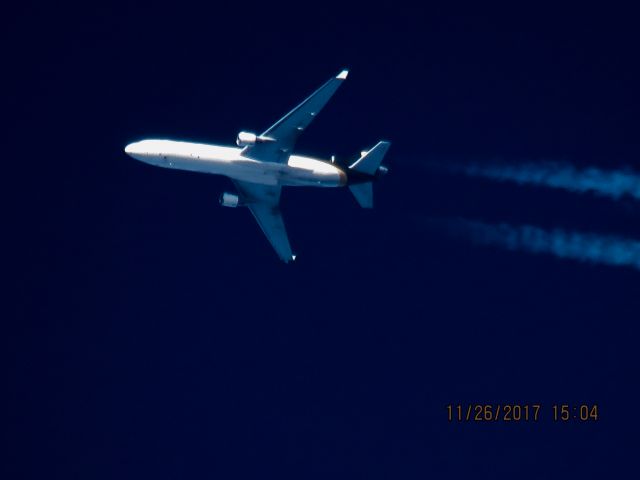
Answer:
(228, 161)
(265, 163)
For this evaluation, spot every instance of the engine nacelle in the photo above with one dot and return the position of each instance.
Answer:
(229, 200)
(246, 138)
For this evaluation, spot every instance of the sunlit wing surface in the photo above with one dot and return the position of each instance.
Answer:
(263, 201)
(286, 131)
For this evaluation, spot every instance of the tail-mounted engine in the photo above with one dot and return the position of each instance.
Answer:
(246, 139)
(230, 200)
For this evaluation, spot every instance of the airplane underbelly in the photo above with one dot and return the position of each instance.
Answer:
(253, 171)
(292, 176)
(312, 172)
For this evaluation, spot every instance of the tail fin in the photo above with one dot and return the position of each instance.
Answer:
(369, 165)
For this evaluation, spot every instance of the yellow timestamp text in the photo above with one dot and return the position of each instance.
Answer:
(521, 412)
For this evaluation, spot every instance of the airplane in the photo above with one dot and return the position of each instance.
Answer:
(262, 164)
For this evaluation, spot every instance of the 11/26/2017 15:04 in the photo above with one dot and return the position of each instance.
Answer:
(532, 412)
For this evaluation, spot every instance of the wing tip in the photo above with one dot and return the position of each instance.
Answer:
(343, 74)
(289, 259)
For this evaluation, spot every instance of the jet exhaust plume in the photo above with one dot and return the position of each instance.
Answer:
(568, 244)
(607, 183)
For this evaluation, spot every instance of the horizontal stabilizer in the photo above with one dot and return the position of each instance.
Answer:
(370, 161)
(363, 193)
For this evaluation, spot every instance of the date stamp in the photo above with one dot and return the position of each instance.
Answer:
(521, 412)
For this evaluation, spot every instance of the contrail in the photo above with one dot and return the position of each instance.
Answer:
(586, 247)
(607, 183)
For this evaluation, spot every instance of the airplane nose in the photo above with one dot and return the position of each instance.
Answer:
(140, 151)
(137, 150)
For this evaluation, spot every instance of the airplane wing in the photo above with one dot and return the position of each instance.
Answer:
(263, 201)
(286, 131)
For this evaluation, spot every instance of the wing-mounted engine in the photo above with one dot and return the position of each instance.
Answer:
(230, 200)
(246, 139)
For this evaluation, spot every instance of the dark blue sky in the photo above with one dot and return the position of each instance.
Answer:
(153, 334)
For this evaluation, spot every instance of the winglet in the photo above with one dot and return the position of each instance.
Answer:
(343, 75)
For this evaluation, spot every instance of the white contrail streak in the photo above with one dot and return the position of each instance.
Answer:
(586, 247)
(608, 183)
